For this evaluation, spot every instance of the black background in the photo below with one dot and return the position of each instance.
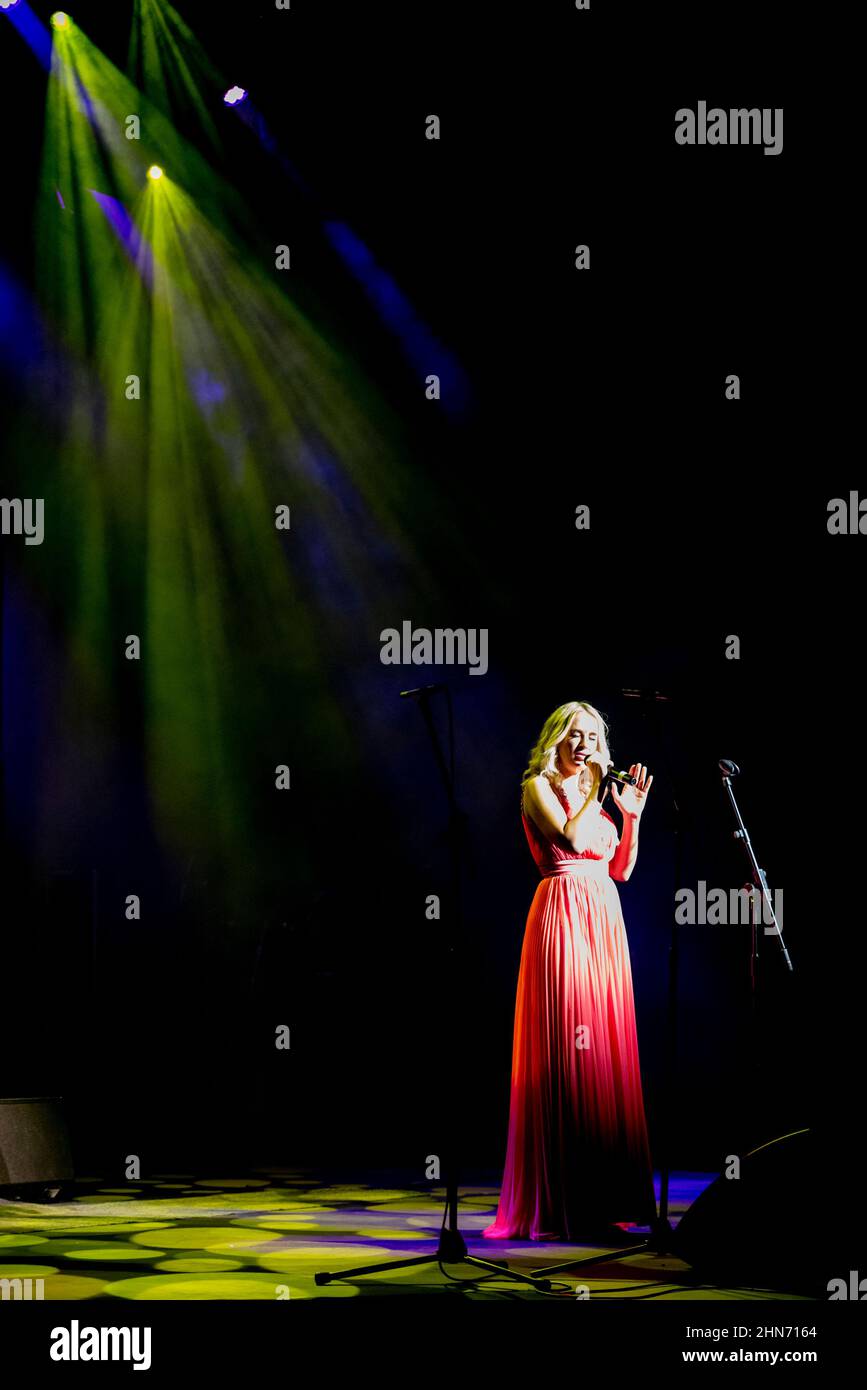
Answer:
(708, 519)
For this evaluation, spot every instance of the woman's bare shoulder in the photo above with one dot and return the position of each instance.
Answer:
(534, 785)
(539, 799)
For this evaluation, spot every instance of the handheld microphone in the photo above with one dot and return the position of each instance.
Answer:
(613, 776)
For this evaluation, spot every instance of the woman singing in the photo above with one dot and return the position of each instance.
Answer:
(577, 1155)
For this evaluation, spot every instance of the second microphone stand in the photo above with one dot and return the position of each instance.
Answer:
(452, 1248)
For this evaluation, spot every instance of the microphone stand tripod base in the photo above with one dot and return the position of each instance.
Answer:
(452, 1250)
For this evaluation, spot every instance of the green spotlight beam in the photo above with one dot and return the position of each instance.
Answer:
(169, 500)
(169, 66)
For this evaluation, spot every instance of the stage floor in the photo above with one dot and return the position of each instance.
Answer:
(266, 1235)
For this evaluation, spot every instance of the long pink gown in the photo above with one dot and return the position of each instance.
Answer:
(577, 1154)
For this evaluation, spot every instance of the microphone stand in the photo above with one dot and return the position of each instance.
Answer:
(756, 1045)
(730, 770)
(452, 1246)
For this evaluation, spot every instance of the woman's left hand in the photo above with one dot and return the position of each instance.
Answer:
(631, 800)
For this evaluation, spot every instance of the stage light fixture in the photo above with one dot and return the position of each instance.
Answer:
(155, 172)
(59, 20)
(8, 4)
(235, 96)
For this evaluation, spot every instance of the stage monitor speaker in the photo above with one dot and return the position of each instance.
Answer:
(783, 1224)
(35, 1153)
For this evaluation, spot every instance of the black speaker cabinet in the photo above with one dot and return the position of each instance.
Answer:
(783, 1224)
(35, 1153)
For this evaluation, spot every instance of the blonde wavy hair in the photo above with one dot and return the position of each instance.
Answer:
(543, 758)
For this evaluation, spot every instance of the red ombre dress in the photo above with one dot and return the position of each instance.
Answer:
(577, 1154)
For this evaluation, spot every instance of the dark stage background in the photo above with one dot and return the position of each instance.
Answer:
(708, 519)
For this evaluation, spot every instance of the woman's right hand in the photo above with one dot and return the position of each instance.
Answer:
(598, 766)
